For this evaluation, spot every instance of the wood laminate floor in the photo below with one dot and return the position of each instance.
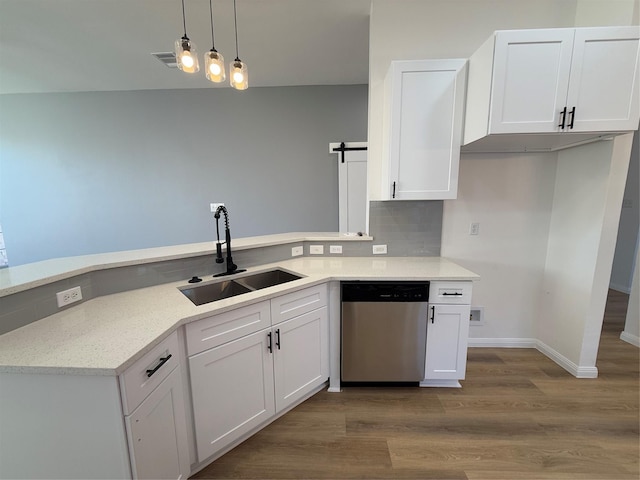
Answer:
(518, 416)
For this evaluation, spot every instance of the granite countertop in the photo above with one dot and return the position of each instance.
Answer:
(105, 335)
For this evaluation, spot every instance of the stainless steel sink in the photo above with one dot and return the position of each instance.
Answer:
(211, 292)
(267, 279)
(214, 291)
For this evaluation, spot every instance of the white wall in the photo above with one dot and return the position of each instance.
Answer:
(623, 260)
(583, 229)
(511, 197)
(631, 332)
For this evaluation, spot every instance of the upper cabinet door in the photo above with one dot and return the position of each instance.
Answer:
(425, 105)
(530, 80)
(604, 82)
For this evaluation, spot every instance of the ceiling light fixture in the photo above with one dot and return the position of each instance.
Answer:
(186, 52)
(239, 73)
(214, 61)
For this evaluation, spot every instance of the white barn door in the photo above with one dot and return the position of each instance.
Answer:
(352, 185)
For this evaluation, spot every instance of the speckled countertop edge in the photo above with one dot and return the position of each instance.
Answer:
(106, 335)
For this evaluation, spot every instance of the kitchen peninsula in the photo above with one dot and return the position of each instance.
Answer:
(71, 378)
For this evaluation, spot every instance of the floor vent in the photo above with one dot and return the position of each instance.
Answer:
(167, 58)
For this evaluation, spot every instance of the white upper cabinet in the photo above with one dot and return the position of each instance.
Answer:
(604, 82)
(577, 81)
(424, 104)
(530, 80)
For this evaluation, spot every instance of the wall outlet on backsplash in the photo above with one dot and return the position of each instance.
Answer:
(316, 249)
(296, 251)
(69, 296)
(379, 249)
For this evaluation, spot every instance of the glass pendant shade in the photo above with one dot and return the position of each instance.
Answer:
(239, 75)
(214, 66)
(187, 55)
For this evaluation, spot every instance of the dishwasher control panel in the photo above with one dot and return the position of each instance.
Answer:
(385, 291)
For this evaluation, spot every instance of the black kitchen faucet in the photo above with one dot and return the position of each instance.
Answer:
(231, 267)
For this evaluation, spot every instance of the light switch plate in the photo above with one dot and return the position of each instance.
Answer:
(335, 248)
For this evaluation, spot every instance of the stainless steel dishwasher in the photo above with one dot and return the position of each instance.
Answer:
(384, 331)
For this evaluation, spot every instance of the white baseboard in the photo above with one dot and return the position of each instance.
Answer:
(620, 288)
(632, 339)
(574, 369)
(440, 383)
(503, 342)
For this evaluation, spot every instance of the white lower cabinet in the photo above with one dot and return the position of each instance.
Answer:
(301, 356)
(447, 334)
(447, 338)
(241, 384)
(232, 391)
(157, 433)
(155, 419)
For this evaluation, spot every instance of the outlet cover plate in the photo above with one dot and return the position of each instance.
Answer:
(67, 297)
(296, 251)
(379, 249)
(316, 249)
(335, 248)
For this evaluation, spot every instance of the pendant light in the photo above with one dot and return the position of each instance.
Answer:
(214, 61)
(239, 75)
(186, 52)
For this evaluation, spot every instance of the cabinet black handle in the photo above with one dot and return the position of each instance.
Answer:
(163, 360)
(433, 313)
(393, 195)
(269, 343)
(573, 116)
(564, 117)
(455, 294)
(278, 338)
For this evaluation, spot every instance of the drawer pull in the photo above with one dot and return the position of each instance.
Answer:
(163, 360)
(433, 313)
(278, 338)
(269, 347)
(455, 294)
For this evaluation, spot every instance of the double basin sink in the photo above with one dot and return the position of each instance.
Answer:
(210, 292)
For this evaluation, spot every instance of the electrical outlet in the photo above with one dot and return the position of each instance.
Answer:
(67, 297)
(335, 248)
(296, 251)
(474, 229)
(316, 249)
(476, 317)
(379, 249)
(214, 206)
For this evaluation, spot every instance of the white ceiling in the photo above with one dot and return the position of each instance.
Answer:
(99, 45)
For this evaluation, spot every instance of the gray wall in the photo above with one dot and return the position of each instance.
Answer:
(628, 229)
(84, 173)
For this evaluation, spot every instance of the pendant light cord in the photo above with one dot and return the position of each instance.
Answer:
(213, 42)
(235, 17)
(184, 20)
